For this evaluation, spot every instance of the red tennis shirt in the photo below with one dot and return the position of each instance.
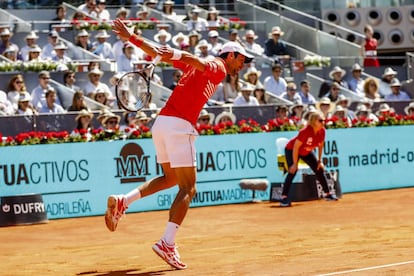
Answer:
(310, 140)
(194, 89)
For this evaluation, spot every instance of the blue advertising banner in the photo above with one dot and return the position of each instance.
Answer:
(75, 179)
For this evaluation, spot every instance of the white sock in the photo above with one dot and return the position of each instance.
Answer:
(132, 196)
(170, 233)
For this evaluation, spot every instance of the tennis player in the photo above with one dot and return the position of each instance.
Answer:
(174, 133)
(301, 147)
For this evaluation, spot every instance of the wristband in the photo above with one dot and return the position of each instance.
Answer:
(137, 41)
(176, 54)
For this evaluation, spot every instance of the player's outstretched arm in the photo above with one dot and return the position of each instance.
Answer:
(167, 54)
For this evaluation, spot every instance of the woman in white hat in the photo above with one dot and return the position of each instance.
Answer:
(364, 114)
(225, 117)
(252, 76)
(84, 126)
(31, 39)
(213, 19)
(325, 106)
(203, 49)
(168, 10)
(82, 40)
(162, 37)
(337, 76)
(178, 39)
(25, 106)
(409, 110)
(205, 118)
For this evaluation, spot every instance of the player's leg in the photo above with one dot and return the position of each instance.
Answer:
(285, 202)
(312, 162)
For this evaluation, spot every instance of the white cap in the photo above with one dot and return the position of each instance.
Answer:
(232, 46)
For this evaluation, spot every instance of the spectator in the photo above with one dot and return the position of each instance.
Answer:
(39, 92)
(11, 54)
(205, 118)
(309, 110)
(337, 76)
(102, 12)
(296, 112)
(69, 79)
(101, 47)
(61, 56)
(196, 23)
(34, 54)
(168, 10)
(118, 47)
(82, 40)
(15, 87)
(60, 19)
(369, 48)
(384, 109)
(214, 42)
(397, 94)
(356, 82)
(113, 82)
(225, 117)
(291, 94)
(282, 114)
(178, 39)
(122, 13)
(275, 47)
(304, 93)
(51, 106)
(203, 49)
(162, 37)
(384, 85)
(48, 51)
(193, 38)
(252, 76)
(6, 43)
(325, 106)
(110, 122)
(249, 41)
(101, 96)
(231, 88)
(334, 92)
(363, 113)
(409, 110)
(89, 8)
(95, 83)
(371, 88)
(78, 102)
(24, 105)
(213, 19)
(31, 39)
(142, 119)
(246, 98)
(128, 59)
(83, 125)
(345, 103)
(275, 84)
(234, 36)
(340, 113)
(6, 108)
(177, 74)
(259, 93)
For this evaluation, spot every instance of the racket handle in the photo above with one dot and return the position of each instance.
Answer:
(157, 59)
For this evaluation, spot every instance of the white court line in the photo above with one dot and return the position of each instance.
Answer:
(366, 268)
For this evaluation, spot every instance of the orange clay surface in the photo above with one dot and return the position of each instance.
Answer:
(368, 233)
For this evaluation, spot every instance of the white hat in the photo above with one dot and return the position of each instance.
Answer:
(102, 34)
(250, 33)
(122, 10)
(205, 113)
(168, 2)
(357, 67)
(213, 10)
(232, 46)
(96, 71)
(247, 87)
(179, 35)
(195, 33)
(84, 113)
(395, 82)
(362, 108)
(309, 110)
(142, 116)
(225, 114)
(252, 70)
(293, 106)
(110, 115)
(35, 49)
(325, 100)
(276, 30)
(408, 108)
(384, 107)
(60, 46)
(339, 108)
(213, 33)
(31, 35)
(25, 97)
(142, 10)
(337, 69)
(83, 33)
(389, 72)
(203, 43)
(6, 31)
(162, 32)
(341, 98)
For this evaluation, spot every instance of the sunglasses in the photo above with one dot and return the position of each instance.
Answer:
(112, 122)
(321, 120)
(19, 82)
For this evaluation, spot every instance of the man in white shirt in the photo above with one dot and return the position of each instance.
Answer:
(250, 44)
(275, 84)
(246, 98)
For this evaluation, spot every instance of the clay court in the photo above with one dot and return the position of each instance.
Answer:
(363, 234)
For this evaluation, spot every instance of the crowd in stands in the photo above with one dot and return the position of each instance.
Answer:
(244, 90)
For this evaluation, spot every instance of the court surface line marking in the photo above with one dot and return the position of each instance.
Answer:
(366, 268)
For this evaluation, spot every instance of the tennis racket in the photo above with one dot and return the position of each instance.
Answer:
(133, 89)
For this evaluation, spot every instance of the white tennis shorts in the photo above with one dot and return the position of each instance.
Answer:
(174, 141)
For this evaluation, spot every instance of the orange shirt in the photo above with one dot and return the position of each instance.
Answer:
(310, 140)
(194, 89)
